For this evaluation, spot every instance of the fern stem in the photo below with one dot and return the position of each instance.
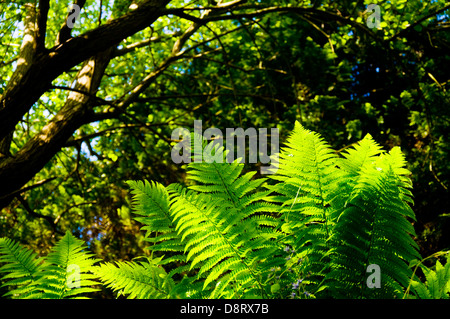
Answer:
(287, 217)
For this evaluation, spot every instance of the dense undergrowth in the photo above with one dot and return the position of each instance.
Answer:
(324, 225)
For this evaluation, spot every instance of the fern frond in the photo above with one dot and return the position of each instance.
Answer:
(216, 241)
(307, 184)
(358, 156)
(21, 266)
(190, 288)
(221, 226)
(67, 272)
(355, 160)
(136, 280)
(373, 229)
(339, 215)
(151, 203)
(437, 281)
(226, 181)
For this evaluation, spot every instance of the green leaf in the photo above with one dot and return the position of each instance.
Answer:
(275, 288)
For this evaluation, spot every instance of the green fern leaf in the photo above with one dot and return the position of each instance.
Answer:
(437, 281)
(136, 280)
(21, 266)
(215, 244)
(226, 181)
(67, 272)
(151, 204)
(373, 227)
(307, 185)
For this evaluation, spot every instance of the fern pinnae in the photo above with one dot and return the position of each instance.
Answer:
(307, 180)
(199, 207)
(137, 280)
(293, 202)
(373, 206)
(21, 266)
(67, 272)
(152, 205)
(150, 201)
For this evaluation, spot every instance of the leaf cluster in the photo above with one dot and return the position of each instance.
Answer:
(312, 229)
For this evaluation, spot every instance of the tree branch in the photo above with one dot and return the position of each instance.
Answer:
(28, 188)
(415, 23)
(176, 54)
(77, 141)
(325, 16)
(24, 63)
(41, 25)
(57, 219)
(64, 33)
(34, 214)
(29, 160)
(46, 67)
(98, 101)
(134, 46)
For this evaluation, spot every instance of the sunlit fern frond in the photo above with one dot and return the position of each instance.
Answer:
(20, 265)
(140, 280)
(64, 273)
(307, 184)
(437, 279)
(217, 241)
(151, 204)
(373, 228)
(67, 271)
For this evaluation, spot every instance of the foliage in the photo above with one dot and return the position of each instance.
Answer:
(225, 236)
(63, 273)
(142, 280)
(21, 264)
(348, 213)
(312, 61)
(437, 284)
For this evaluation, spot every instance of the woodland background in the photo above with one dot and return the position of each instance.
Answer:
(84, 109)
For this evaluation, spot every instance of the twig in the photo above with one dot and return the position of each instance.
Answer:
(34, 214)
(28, 188)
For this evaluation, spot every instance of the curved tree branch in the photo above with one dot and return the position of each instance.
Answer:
(26, 90)
(22, 166)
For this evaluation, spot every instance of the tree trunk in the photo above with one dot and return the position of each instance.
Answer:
(33, 77)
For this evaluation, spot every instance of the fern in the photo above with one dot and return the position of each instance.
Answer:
(220, 225)
(346, 213)
(67, 270)
(373, 229)
(221, 244)
(136, 280)
(437, 281)
(63, 273)
(310, 230)
(21, 266)
(152, 205)
(307, 181)
(226, 181)
(336, 215)
(224, 223)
